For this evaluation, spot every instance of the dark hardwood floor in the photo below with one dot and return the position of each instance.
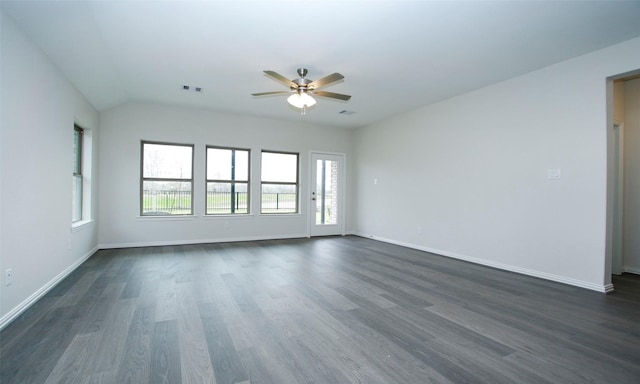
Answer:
(326, 310)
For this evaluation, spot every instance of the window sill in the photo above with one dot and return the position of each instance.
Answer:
(281, 215)
(214, 217)
(229, 216)
(80, 225)
(167, 218)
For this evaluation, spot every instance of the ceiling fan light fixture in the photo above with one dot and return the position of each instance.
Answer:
(301, 100)
(300, 88)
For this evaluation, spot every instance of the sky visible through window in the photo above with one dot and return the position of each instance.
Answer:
(279, 167)
(174, 162)
(167, 161)
(219, 164)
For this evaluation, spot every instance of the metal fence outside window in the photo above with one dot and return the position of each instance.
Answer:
(279, 202)
(172, 202)
(168, 202)
(221, 202)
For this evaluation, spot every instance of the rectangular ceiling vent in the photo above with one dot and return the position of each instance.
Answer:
(192, 88)
(345, 112)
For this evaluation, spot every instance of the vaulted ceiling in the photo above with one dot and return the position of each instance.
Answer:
(395, 55)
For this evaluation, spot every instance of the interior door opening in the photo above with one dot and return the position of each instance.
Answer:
(623, 180)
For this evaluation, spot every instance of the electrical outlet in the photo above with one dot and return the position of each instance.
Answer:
(8, 277)
(227, 225)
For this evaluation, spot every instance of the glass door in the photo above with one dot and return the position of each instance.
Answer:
(326, 204)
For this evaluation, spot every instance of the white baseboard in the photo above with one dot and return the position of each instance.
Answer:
(199, 241)
(18, 310)
(629, 269)
(506, 267)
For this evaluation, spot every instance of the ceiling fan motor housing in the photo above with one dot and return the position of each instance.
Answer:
(302, 82)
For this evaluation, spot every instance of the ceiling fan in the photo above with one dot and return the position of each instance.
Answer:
(301, 88)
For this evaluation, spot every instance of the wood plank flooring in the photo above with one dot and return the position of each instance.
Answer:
(325, 310)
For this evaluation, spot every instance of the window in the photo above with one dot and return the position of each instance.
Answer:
(78, 178)
(227, 181)
(167, 179)
(279, 182)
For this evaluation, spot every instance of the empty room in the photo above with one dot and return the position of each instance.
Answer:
(308, 191)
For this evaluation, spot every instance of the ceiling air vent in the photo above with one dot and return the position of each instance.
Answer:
(192, 88)
(345, 112)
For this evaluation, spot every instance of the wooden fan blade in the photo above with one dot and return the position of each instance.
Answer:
(325, 81)
(332, 95)
(278, 77)
(271, 93)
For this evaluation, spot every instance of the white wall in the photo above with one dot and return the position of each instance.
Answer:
(123, 128)
(39, 107)
(467, 177)
(631, 247)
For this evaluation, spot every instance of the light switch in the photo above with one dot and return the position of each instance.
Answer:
(553, 174)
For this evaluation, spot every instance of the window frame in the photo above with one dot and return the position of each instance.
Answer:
(78, 173)
(183, 180)
(296, 183)
(231, 181)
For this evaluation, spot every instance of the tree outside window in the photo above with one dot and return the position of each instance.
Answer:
(78, 178)
(167, 179)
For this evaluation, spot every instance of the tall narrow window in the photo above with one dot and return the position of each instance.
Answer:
(167, 179)
(227, 181)
(78, 178)
(279, 182)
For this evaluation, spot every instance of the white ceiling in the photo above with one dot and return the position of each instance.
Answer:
(395, 55)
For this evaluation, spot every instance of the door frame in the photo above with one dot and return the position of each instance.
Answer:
(617, 227)
(341, 193)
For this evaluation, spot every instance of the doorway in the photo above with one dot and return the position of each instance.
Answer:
(623, 200)
(326, 204)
